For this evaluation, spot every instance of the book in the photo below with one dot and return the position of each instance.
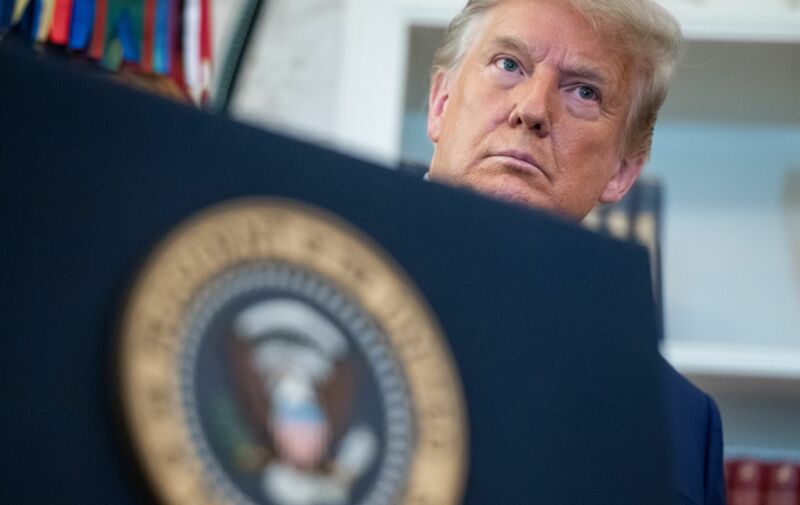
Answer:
(637, 219)
(745, 478)
(782, 484)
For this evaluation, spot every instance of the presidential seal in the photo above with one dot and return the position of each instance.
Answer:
(271, 354)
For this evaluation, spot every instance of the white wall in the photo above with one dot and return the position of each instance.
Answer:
(291, 72)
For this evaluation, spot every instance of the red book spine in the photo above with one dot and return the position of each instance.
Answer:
(782, 484)
(745, 482)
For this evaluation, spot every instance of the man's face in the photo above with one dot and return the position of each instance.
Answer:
(536, 112)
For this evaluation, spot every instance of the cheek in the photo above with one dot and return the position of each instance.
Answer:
(471, 121)
(586, 157)
(584, 111)
(484, 104)
(580, 141)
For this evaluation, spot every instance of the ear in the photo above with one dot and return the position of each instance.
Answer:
(628, 171)
(437, 99)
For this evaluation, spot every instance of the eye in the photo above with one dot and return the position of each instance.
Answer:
(507, 64)
(587, 93)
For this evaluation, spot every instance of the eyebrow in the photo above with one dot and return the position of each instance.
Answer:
(586, 71)
(579, 70)
(511, 43)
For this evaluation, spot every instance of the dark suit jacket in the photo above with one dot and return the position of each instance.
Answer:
(695, 437)
(694, 430)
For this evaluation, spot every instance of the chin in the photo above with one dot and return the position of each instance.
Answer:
(511, 195)
(513, 190)
(531, 198)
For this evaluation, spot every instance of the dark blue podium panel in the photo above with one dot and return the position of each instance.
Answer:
(552, 327)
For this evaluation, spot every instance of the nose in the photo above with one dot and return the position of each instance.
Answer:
(533, 108)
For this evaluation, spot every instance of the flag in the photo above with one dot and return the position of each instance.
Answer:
(172, 38)
(82, 20)
(205, 49)
(148, 29)
(27, 16)
(33, 17)
(46, 12)
(97, 45)
(197, 48)
(124, 29)
(62, 18)
(161, 37)
(6, 10)
(20, 6)
(175, 44)
(191, 46)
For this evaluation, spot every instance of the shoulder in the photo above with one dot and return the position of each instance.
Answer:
(681, 392)
(695, 436)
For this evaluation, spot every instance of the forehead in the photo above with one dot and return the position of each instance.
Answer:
(550, 29)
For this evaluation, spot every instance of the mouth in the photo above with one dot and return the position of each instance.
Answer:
(518, 160)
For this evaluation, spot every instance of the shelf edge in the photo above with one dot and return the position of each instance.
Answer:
(722, 359)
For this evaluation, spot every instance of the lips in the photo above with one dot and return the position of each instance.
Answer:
(518, 159)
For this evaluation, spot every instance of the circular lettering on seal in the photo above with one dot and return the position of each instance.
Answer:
(272, 355)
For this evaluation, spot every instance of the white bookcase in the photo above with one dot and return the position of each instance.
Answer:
(728, 139)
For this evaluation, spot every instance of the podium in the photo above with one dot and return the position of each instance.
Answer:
(551, 328)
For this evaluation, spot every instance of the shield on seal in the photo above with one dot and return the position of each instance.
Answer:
(299, 427)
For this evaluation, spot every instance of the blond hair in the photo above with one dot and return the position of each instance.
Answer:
(640, 29)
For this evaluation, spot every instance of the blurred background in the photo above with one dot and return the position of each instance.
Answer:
(353, 75)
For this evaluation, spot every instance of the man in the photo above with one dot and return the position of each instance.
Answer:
(551, 104)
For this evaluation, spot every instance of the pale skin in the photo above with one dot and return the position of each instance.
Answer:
(535, 113)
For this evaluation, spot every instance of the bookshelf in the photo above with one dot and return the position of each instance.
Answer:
(728, 138)
(745, 362)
